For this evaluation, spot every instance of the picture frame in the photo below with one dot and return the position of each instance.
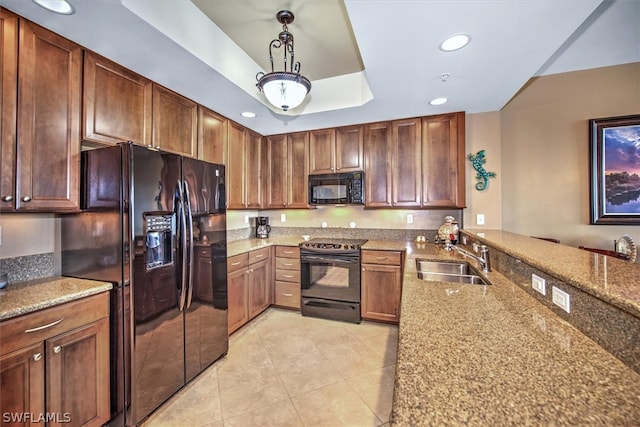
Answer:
(615, 170)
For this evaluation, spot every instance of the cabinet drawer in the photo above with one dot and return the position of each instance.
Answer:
(288, 264)
(288, 276)
(288, 252)
(382, 257)
(237, 262)
(40, 325)
(258, 255)
(288, 294)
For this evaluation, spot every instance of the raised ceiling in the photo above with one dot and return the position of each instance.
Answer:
(211, 50)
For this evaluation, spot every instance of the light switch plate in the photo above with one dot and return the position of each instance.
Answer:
(409, 218)
(283, 217)
(480, 219)
(561, 299)
(539, 284)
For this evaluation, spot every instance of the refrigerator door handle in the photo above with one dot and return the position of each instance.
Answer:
(182, 227)
(187, 202)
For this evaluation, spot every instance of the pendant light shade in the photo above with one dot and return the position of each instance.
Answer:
(284, 89)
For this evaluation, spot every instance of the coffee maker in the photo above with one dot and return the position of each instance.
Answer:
(262, 227)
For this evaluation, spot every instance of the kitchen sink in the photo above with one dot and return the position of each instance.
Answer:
(452, 272)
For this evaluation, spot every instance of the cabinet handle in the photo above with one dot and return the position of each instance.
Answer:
(57, 349)
(235, 263)
(287, 276)
(259, 255)
(381, 257)
(39, 328)
(288, 295)
(26, 199)
(288, 264)
(288, 252)
(37, 356)
(7, 198)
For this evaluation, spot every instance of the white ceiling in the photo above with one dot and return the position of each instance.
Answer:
(175, 44)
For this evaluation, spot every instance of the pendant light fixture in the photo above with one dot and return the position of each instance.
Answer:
(284, 89)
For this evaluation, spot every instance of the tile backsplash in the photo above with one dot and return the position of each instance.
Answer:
(28, 267)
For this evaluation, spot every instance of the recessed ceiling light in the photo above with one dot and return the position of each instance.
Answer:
(454, 42)
(57, 6)
(248, 114)
(438, 101)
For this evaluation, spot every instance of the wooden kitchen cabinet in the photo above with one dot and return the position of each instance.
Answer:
(381, 281)
(56, 361)
(175, 122)
(212, 136)
(406, 172)
(244, 168)
(443, 157)
(287, 277)
(336, 150)
(249, 286)
(48, 121)
(286, 171)
(117, 103)
(8, 107)
(378, 151)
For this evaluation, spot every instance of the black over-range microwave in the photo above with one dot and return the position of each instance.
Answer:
(337, 189)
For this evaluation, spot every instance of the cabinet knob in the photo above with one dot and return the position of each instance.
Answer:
(26, 199)
(7, 198)
(362, 268)
(57, 349)
(37, 356)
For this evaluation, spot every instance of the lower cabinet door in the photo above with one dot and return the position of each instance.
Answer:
(237, 282)
(77, 383)
(381, 289)
(22, 385)
(259, 289)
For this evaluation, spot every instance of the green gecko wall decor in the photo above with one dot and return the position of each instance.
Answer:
(482, 175)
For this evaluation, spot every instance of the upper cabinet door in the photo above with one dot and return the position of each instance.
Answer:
(253, 169)
(275, 173)
(8, 107)
(406, 162)
(349, 149)
(443, 144)
(298, 170)
(377, 164)
(116, 103)
(175, 122)
(236, 160)
(322, 151)
(212, 136)
(49, 88)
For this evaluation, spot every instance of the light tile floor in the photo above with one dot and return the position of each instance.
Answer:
(283, 369)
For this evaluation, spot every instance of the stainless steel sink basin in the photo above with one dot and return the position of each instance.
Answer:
(452, 272)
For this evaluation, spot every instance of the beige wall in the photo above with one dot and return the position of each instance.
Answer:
(27, 234)
(545, 152)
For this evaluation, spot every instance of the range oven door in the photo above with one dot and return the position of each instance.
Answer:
(331, 276)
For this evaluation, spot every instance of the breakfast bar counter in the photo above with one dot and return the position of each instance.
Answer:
(494, 355)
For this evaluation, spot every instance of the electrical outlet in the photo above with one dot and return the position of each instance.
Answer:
(246, 219)
(352, 224)
(561, 299)
(480, 219)
(539, 284)
(409, 218)
(283, 217)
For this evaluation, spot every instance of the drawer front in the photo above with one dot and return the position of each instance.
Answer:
(288, 294)
(237, 262)
(382, 257)
(288, 252)
(38, 326)
(258, 255)
(292, 276)
(287, 264)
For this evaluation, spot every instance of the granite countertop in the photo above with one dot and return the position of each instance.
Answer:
(238, 247)
(609, 279)
(483, 355)
(24, 297)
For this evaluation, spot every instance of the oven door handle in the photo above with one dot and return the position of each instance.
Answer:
(328, 259)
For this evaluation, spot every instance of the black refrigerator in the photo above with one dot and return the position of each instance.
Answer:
(154, 224)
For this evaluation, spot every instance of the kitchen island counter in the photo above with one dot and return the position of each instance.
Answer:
(482, 355)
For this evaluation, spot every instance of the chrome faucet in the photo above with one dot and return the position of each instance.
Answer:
(483, 259)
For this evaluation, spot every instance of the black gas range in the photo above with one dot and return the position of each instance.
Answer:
(330, 278)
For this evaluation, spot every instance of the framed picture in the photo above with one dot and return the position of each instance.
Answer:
(615, 170)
